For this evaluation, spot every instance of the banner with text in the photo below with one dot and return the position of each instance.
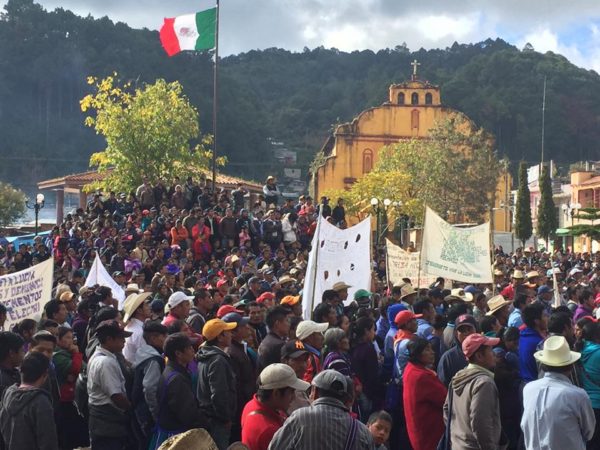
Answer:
(461, 254)
(25, 293)
(402, 264)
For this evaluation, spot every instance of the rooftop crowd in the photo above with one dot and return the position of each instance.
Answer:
(211, 336)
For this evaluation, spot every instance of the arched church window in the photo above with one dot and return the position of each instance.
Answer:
(401, 98)
(428, 98)
(367, 160)
(414, 99)
(414, 119)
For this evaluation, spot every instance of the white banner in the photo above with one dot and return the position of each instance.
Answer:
(461, 254)
(99, 276)
(25, 293)
(337, 255)
(402, 264)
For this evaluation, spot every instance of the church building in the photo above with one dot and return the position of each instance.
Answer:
(412, 109)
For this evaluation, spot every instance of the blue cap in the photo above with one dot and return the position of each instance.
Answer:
(393, 310)
(471, 289)
(544, 290)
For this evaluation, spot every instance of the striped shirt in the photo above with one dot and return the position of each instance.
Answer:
(324, 424)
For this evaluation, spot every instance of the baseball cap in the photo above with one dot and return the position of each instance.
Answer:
(544, 290)
(277, 376)
(308, 327)
(221, 283)
(466, 319)
(215, 327)
(472, 343)
(234, 317)
(227, 309)
(362, 293)
(111, 328)
(293, 349)
(332, 380)
(265, 296)
(290, 300)
(403, 317)
(177, 298)
(157, 305)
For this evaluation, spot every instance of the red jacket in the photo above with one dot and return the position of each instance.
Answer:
(259, 424)
(424, 395)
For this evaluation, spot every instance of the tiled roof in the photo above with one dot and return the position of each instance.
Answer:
(81, 179)
(593, 180)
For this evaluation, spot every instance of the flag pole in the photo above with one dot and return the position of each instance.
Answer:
(421, 249)
(215, 99)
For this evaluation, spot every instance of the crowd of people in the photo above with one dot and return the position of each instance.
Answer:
(211, 336)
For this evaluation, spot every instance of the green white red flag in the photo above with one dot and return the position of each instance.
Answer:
(189, 32)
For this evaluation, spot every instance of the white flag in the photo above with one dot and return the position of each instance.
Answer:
(99, 276)
(461, 254)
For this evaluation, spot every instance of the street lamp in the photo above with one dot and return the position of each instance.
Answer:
(39, 204)
(378, 209)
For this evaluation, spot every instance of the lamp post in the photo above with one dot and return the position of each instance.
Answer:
(569, 210)
(380, 210)
(39, 204)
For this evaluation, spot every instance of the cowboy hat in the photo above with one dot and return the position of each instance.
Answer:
(461, 294)
(133, 302)
(518, 274)
(556, 353)
(407, 290)
(496, 303)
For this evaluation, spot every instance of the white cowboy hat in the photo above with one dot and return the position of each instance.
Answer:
(556, 353)
(496, 303)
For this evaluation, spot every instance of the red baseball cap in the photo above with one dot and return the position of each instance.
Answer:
(221, 283)
(265, 296)
(403, 317)
(226, 309)
(472, 343)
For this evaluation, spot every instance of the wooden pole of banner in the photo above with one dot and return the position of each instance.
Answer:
(421, 248)
(215, 99)
(387, 266)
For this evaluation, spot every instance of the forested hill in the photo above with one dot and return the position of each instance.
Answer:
(293, 98)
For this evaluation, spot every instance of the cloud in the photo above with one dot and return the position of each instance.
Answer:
(571, 30)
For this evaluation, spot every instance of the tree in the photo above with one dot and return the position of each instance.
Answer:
(147, 131)
(547, 214)
(587, 229)
(454, 170)
(12, 204)
(523, 226)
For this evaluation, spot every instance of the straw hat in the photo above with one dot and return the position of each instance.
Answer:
(518, 274)
(556, 353)
(407, 290)
(461, 294)
(196, 439)
(133, 302)
(532, 274)
(496, 303)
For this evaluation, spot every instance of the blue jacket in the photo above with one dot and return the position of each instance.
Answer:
(388, 341)
(590, 357)
(527, 347)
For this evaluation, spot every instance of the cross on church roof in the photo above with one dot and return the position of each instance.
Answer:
(415, 65)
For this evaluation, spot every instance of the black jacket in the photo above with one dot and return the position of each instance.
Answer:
(26, 420)
(178, 408)
(216, 384)
(269, 350)
(245, 374)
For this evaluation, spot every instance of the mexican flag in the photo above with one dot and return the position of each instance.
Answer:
(189, 32)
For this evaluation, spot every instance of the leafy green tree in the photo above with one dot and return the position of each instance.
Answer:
(523, 226)
(547, 217)
(147, 131)
(590, 229)
(12, 204)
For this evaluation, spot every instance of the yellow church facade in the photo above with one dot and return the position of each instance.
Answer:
(412, 109)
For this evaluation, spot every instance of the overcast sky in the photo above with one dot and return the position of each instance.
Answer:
(569, 28)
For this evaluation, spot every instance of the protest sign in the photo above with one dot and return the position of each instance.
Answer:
(25, 293)
(461, 254)
(402, 264)
(337, 255)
